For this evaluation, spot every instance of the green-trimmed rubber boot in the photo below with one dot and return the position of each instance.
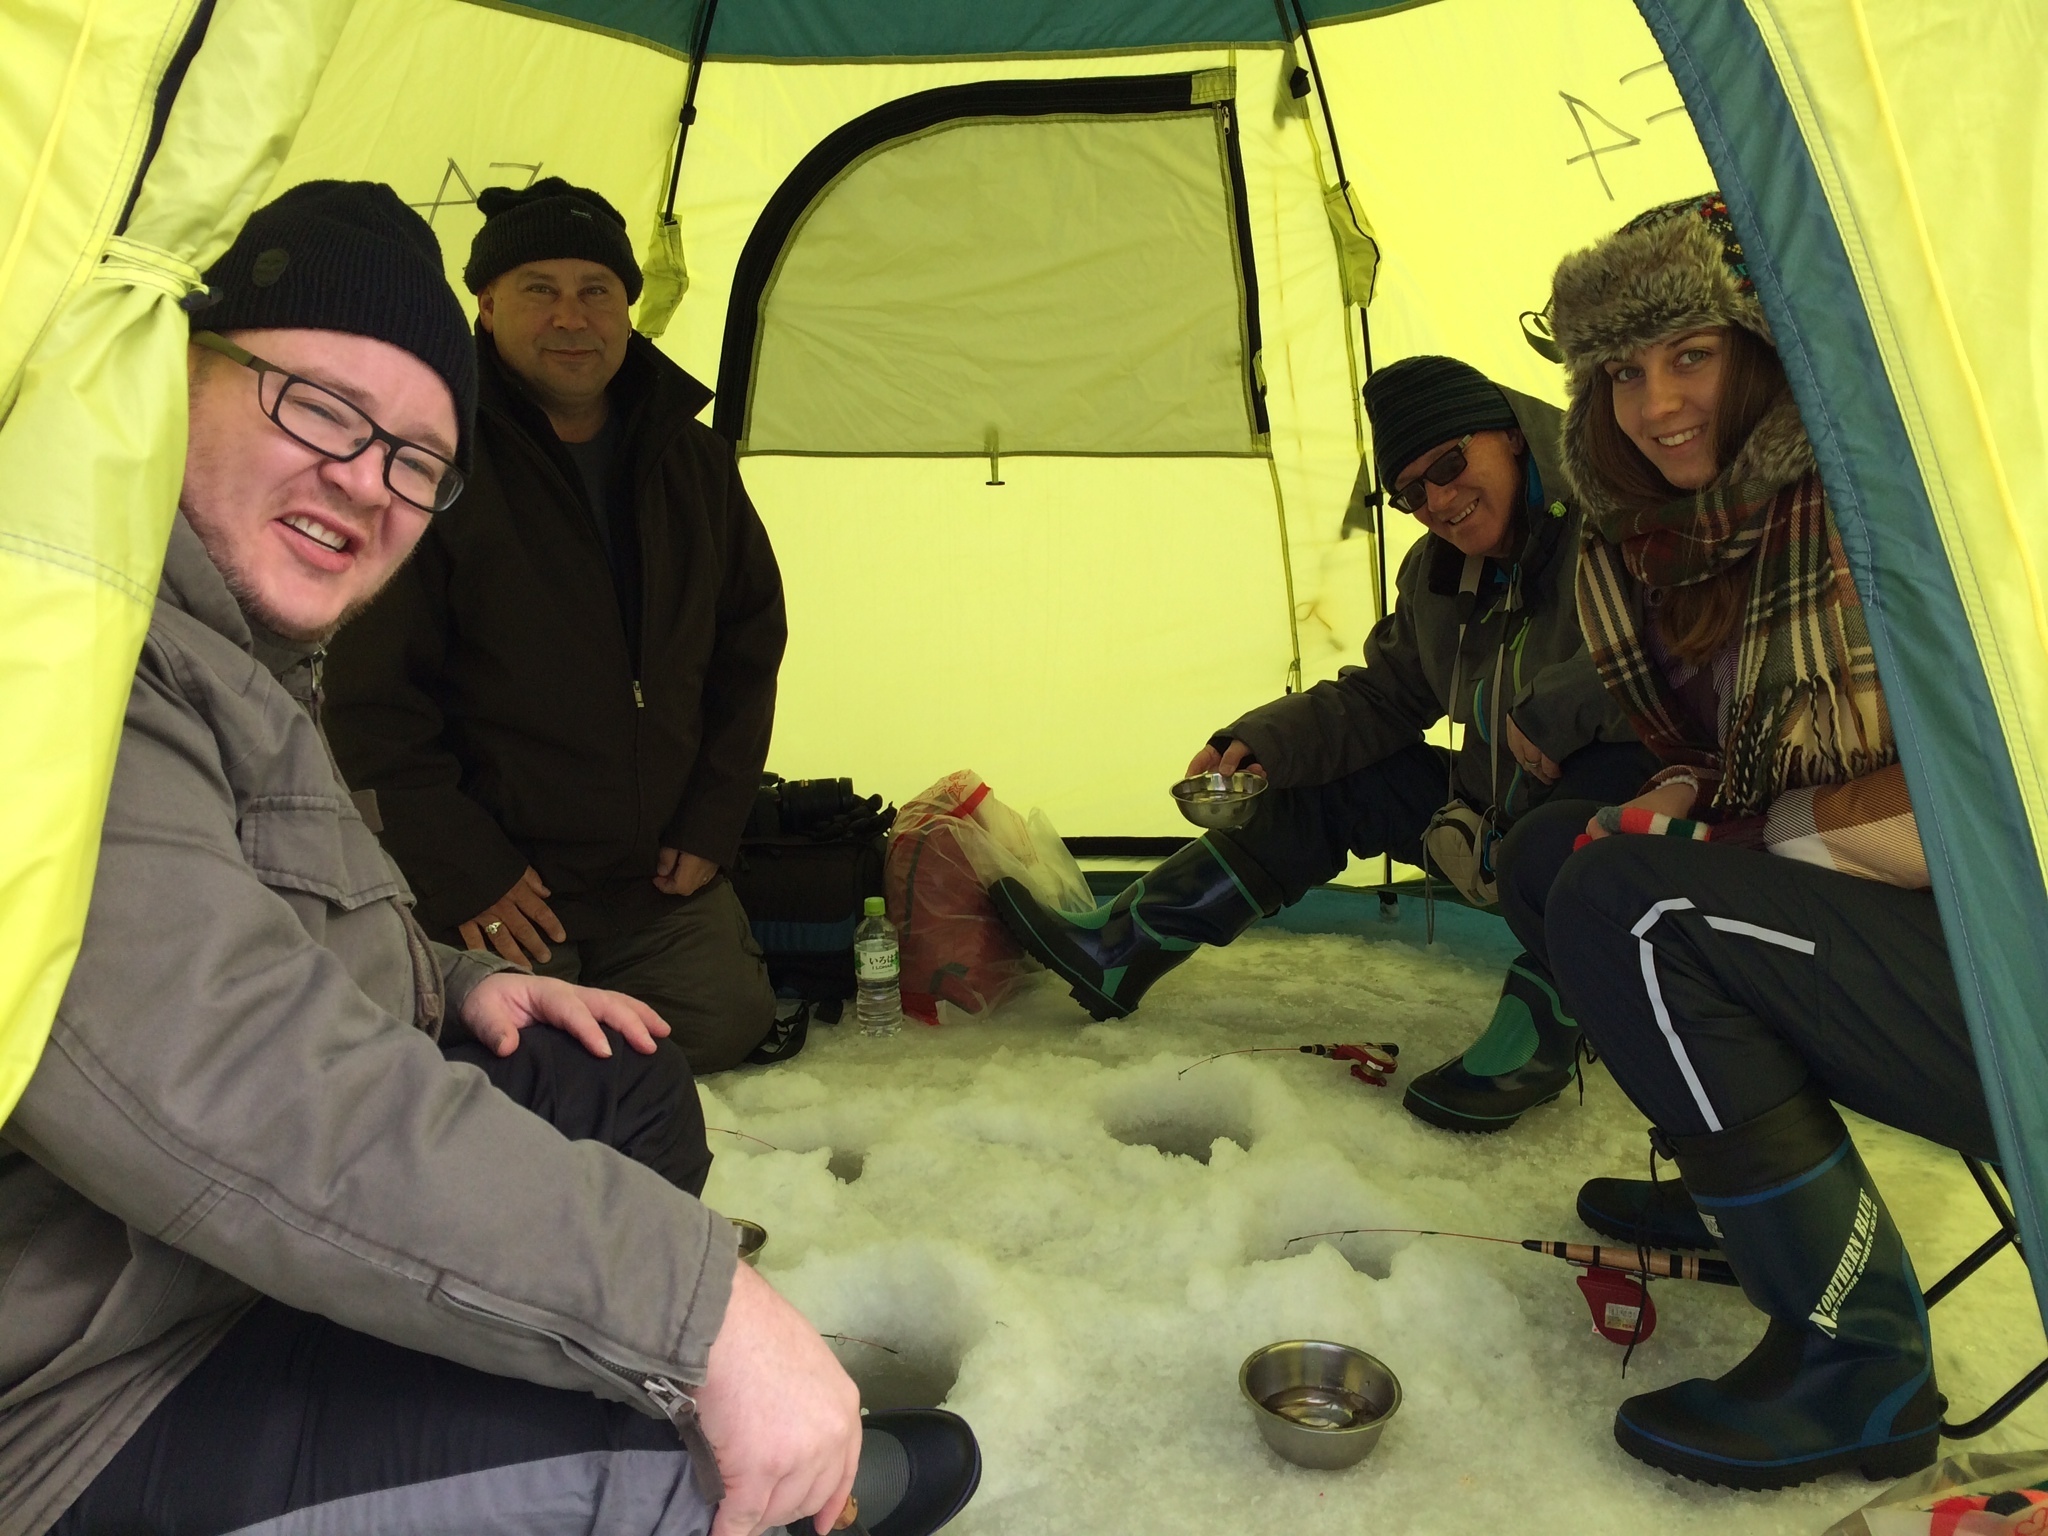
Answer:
(1528, 1056)
(1110, 956)
(1844, 1376)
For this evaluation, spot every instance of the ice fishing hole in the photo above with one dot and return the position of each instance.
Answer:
(1183, 1134)
(846, 1166)
(915, 1376)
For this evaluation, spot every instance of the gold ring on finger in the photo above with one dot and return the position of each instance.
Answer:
(491, 928)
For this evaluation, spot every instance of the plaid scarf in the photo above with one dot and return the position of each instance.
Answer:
(1807, 708)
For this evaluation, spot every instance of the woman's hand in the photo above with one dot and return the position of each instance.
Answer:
(1674, 800)
(1229, 760)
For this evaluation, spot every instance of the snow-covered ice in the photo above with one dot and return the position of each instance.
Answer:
(1074, 1245)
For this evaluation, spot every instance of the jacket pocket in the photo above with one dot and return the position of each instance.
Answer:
(319, 845)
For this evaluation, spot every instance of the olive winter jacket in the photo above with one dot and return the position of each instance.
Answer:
(235, 1100)
(1548, 684)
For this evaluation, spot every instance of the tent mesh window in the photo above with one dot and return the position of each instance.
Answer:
(1015, 267)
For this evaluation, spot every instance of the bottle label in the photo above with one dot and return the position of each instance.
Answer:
(875, 959)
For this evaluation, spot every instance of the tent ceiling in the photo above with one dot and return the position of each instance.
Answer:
(924, 29)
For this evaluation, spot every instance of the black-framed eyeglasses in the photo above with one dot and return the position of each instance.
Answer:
(323, 421)
(1445, 468)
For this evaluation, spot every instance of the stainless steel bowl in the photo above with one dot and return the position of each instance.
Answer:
(1319, 1404)
(1220, 801)
(753, 1238)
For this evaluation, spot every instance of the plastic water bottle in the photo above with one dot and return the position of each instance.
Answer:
(878, 1004)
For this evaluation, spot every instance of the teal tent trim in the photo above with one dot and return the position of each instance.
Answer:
(1980, 851)
(924, 29)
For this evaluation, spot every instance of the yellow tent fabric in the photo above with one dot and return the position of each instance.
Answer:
(93, 443)
(1938, 191)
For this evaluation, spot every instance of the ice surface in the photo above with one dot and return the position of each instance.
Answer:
(1076, 1247)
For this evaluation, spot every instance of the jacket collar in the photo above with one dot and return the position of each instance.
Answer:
(649, 387)
(193, 585)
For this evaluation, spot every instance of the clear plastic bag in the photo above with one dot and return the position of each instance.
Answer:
(948, 846)
(1970, 1493)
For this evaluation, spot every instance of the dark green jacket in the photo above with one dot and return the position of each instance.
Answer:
(1549, 687)
(493, 697)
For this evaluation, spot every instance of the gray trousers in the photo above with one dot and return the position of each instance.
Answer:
(696, 964)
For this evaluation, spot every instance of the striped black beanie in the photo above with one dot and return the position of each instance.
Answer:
(549, 221)
(1420, 402)
(346, 256)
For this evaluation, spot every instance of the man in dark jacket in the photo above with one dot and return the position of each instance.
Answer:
(563, 703)
(1485, 630)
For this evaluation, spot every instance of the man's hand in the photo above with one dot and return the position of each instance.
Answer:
(1674, 799)
(682, 874)
(509, 923)
(501, 1005)
(781, 1414)
(1229, 760)
(1534, 760)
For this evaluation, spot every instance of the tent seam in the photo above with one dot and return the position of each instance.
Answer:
(61, 558)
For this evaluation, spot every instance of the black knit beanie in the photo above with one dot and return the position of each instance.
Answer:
(549, 221)
(346, 256)
(1420, 402)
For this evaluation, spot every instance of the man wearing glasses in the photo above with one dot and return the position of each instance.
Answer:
(269, 1258)
(1484, 630)
(563, 704)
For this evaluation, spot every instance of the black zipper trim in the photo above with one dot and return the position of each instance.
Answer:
(166, 94)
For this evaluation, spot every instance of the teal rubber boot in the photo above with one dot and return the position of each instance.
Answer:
(1111, 956)
(1844, 1375)
(1528, 1056)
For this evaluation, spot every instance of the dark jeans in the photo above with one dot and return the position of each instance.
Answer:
(1716, 981)
(1301, 837)
(296, 1424)
(644, 1106)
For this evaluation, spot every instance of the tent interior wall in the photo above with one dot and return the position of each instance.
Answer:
(1073, 632)
(940, 622)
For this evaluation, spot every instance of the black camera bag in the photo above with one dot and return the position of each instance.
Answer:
(802, 881)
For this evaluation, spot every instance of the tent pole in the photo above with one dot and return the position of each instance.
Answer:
(1287, 571)
(699, 46)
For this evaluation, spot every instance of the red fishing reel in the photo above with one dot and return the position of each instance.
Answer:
(1622, 1310)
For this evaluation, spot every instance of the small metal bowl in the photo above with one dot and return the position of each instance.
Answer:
(753, 1238)
(1219, 801)
(1319, 1404)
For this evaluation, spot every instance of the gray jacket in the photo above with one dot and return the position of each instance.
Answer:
(235, 1100)
(1548, 685)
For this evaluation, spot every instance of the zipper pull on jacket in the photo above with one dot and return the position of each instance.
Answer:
(681, 1409)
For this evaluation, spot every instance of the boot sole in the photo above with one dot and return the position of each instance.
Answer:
(1877, 1463)
(1431, 1113)
(1100, 1007)
(1621, 1232)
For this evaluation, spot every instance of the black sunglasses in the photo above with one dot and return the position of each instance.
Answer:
(323, 421)
(1445, 468)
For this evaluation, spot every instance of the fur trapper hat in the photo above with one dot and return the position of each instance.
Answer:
(1678, 267)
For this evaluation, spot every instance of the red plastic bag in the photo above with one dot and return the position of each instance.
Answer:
(947, 847)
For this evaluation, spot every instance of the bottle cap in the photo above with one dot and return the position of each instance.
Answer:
(874, 906)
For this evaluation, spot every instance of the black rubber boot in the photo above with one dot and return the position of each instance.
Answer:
(1110, 956)
(1636, 1211)
(918, 1469)
(1844, 1376)
(1528, 1056)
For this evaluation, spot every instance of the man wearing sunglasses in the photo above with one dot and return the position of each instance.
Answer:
(274, 1253)
(1485, 631)
(564, 702)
